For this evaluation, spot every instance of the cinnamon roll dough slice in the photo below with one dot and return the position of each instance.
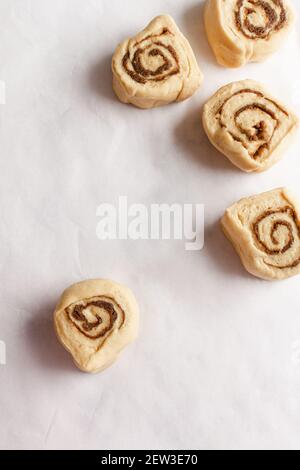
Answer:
(94, 321)
(241, 31)
(265, 231)
(155, 67)
(245, 123)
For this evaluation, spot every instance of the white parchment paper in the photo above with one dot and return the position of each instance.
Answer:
(217, 362)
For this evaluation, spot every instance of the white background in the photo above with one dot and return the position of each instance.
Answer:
(217, 362)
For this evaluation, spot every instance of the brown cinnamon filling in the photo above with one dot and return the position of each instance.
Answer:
(245, 90)
(259, 131)
(139, 73)
(272, 20)
(276, 224)
(77, 315)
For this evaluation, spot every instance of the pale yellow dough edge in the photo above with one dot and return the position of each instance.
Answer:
(146, 97)
(234, 50)
(81, 349)
(234, 151)
(252, 258)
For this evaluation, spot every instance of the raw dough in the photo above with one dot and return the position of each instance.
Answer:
(241, 31)
(244, 122)
(265, 231)
(94, 321)
(155, 67)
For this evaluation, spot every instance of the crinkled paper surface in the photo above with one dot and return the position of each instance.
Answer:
(217, 362)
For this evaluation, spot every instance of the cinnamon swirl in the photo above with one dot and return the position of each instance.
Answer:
(155, 67)
(244, 122)
(241, 31)
(95, 320)
(265, 231)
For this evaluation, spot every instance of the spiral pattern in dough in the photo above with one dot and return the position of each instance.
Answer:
(242, 31)
(152, 59)
(252, 119)
(277, 233)
(258, 19)
(96, 317)
(155, 67)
